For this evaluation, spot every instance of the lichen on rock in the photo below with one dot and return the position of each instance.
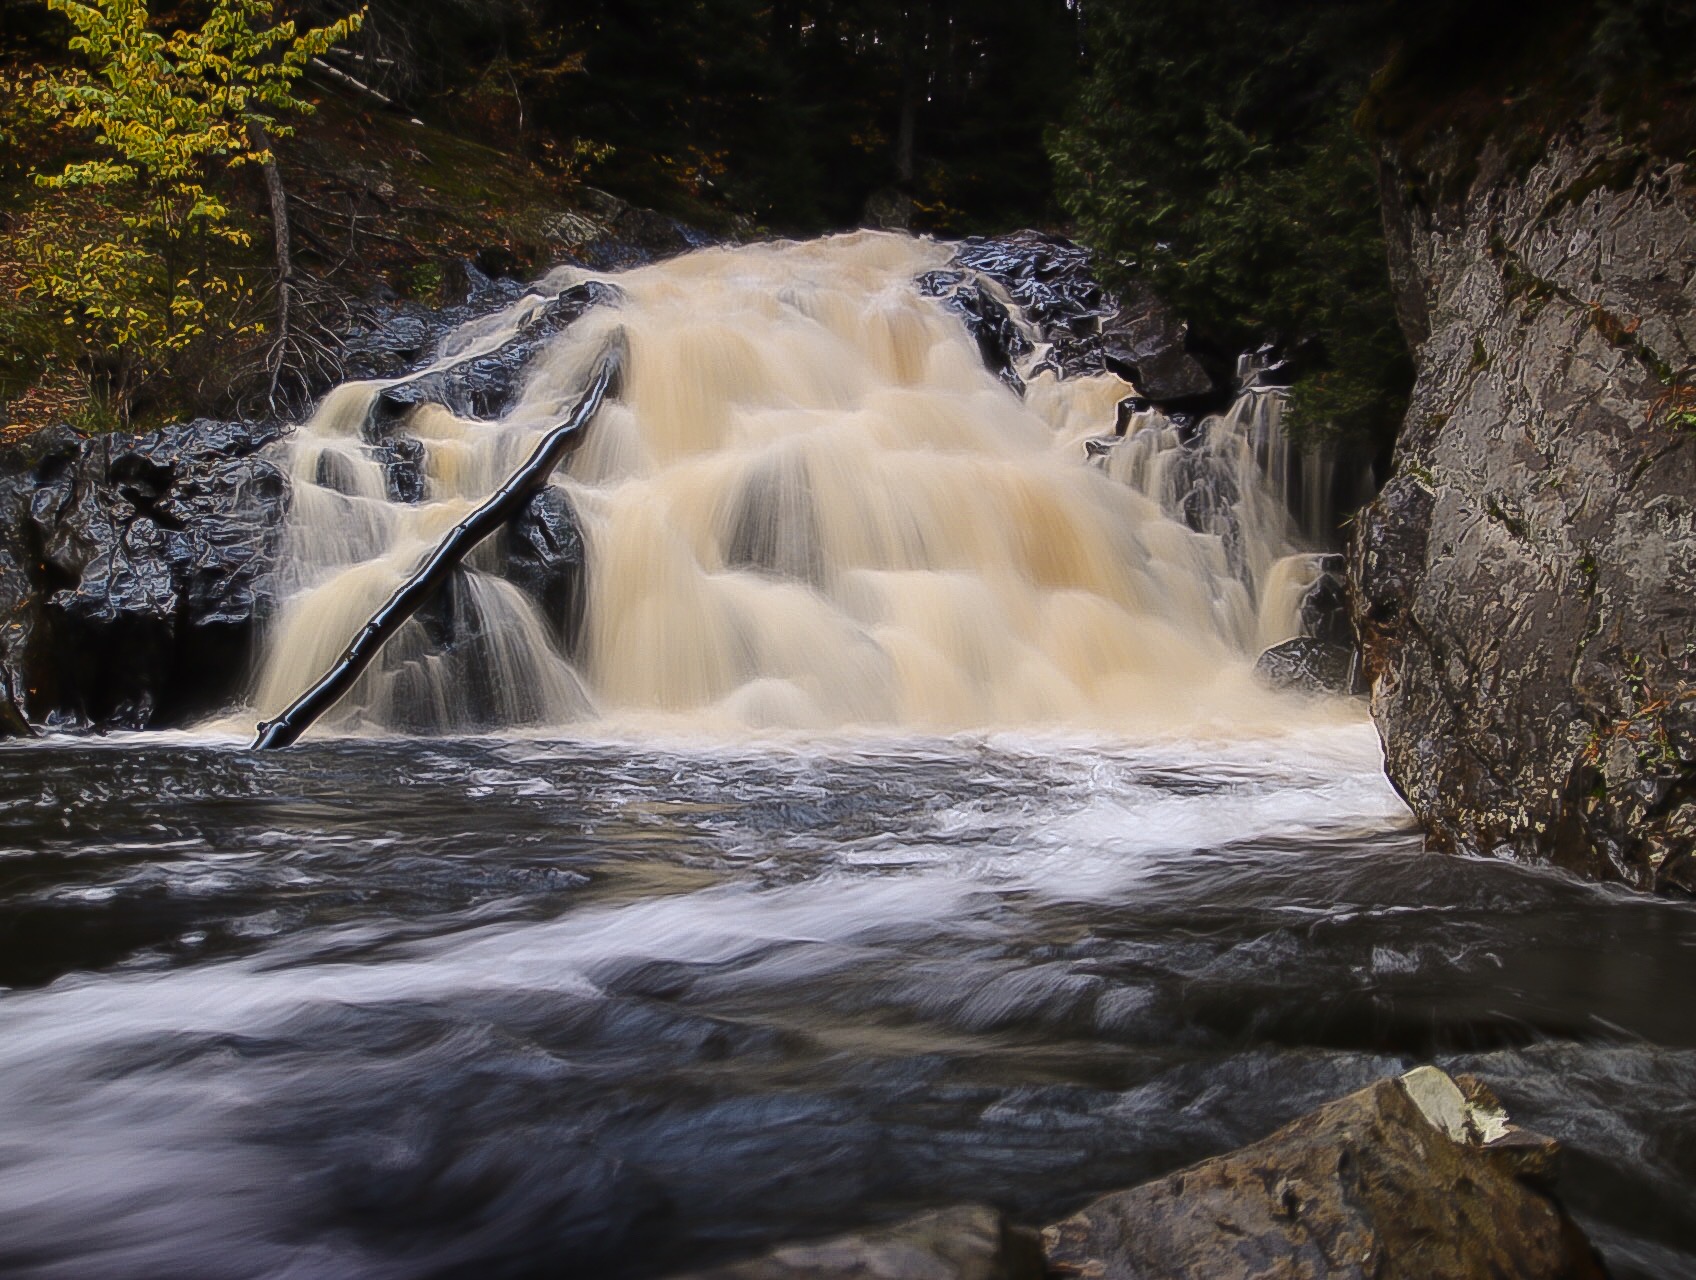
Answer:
(1526, 582)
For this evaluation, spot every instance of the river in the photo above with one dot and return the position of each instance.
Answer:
(522, 1006)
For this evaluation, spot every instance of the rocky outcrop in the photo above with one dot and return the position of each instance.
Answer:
(485, 383)
(544, 556)
(1409, 1179)
(1525, 585)
(132, 571)
(1087, 329)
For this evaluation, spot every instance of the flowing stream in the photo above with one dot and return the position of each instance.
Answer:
(900, 824)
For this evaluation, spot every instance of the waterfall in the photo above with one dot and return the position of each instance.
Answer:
(811, 508)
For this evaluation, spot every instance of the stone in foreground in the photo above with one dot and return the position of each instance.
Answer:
(969, 1242)
(1409, 1179)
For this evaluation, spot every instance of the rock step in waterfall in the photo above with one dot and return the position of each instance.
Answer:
(823, 501)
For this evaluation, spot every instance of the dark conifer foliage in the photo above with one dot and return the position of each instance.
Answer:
(791, 113)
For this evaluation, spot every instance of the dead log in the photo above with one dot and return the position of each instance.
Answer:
(433, 574)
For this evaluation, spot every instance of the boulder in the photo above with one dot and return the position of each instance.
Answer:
(971, 1242)
(132, 570)
(1325, 606)
(389, 335)
(1310, 664)
(1000, 343)
(1420, 1178)
(610, 234)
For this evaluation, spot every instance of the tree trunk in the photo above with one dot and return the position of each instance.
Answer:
(280, 234)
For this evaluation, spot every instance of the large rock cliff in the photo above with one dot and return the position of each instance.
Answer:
(1525, 585)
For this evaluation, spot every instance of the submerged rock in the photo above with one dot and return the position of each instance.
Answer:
(1420, 1178)
(1525, 586)
(971, 1242)
(132, 570)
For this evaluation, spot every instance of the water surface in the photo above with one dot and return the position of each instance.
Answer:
(513, 1007)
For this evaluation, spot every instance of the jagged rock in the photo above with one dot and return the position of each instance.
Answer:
(132, 569)
(999, 341)
(1420, 1178)
(544, 556)
(403, 459)
(483, 386)
(1090, 330)
(1525, 586)
(390, 335)
(971, 1242)
(1310, 664)
(28, 669)
(1325, 605)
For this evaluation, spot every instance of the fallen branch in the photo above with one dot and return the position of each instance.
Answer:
(529, 480)
(358, 86)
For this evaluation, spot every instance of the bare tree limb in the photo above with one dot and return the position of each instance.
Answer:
(342, 77)
(529, 480)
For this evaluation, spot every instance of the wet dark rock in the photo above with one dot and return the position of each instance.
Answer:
(987, 319)
(485, 385)
(1309, 664)
(403, 459)
(971, 1242)
(1053, 282)
(1127, 409)
(1325, 606)
(1099, 446)
(390, 335)
(132, 570)
(1419, 1178)
(1525, 586)
(544, 556)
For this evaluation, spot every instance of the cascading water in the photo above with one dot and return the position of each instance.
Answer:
(812, 508)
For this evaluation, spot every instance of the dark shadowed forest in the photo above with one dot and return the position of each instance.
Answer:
(1223, 152)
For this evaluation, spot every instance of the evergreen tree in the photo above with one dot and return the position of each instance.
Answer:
(1211, 152)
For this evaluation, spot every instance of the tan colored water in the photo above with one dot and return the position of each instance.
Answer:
(813, 509)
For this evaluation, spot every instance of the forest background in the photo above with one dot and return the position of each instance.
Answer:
(197, 198)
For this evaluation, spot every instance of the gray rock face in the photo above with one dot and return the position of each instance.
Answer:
(131, 570)
(970, 1242)
(1409, 1179)
(1525, 586)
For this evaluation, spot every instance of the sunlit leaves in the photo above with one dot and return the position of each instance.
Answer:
(132, 271)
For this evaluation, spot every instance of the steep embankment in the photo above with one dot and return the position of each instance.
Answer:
(1526, 583)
